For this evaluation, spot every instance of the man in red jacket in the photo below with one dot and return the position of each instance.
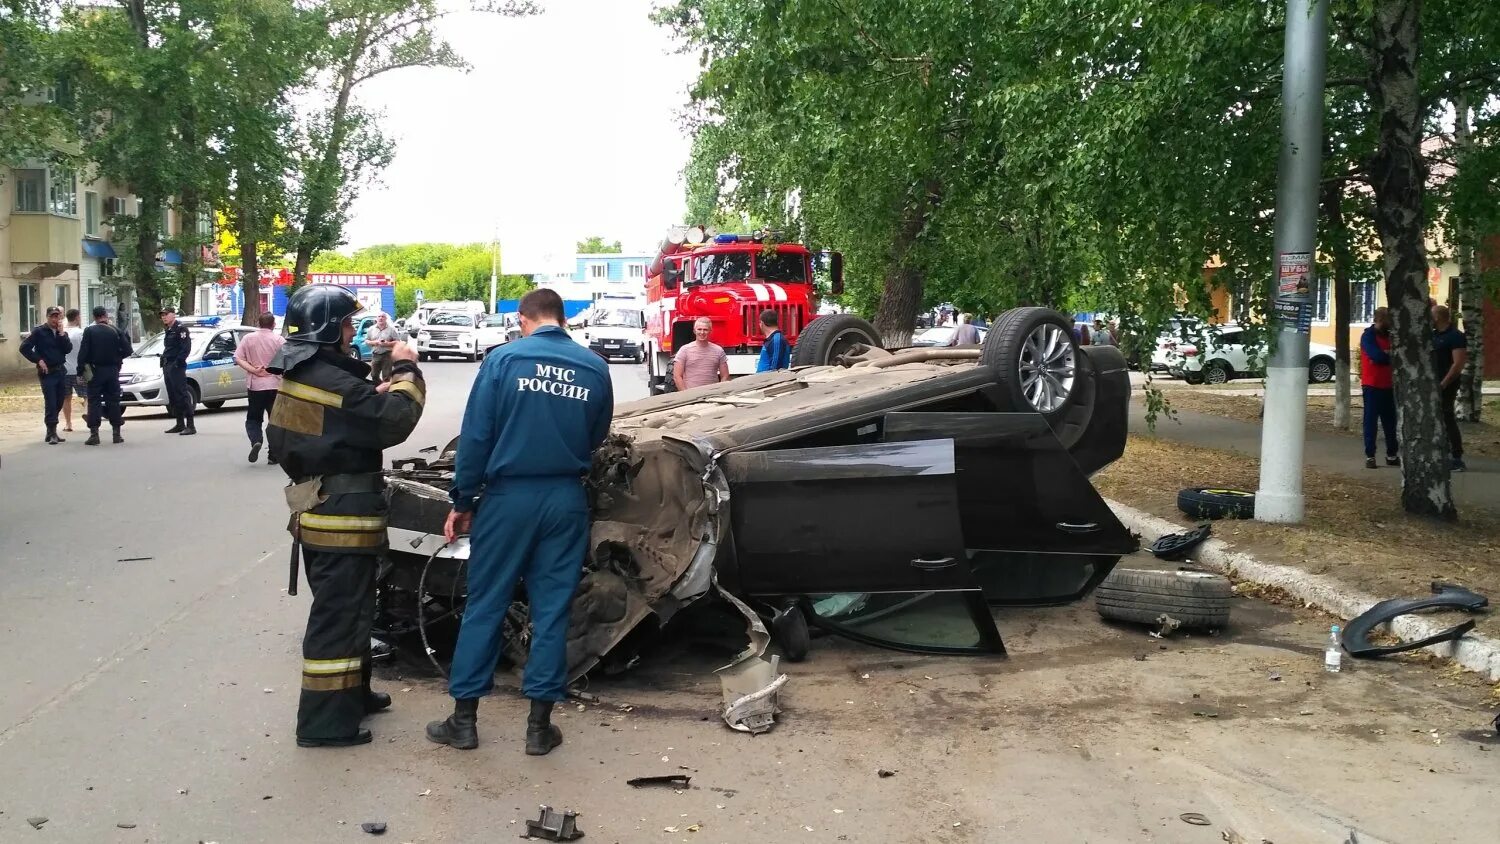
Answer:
(1379, 394)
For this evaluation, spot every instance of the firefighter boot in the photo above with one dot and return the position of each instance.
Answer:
(93, 437)
(459, 730)
(541, 734)
(376, 701)
(175, 429)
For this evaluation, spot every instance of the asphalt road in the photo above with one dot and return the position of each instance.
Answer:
(152, 673)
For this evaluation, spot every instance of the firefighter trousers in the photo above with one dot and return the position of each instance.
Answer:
(336, 647)
(532, 529)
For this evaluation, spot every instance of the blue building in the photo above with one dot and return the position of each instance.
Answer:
(593, 275)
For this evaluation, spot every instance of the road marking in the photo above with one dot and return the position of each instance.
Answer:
(125, 652)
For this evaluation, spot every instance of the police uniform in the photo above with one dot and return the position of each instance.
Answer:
(329, 427)
(174, 354)
(539, 408)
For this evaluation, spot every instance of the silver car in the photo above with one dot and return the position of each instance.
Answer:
(213, 377)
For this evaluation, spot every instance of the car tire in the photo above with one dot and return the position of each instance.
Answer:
(1216, 503)
(827, 337)
(1011, 351)
(423, 357)
(1194, 598)
(1320, 370)
(1217, 372)
(214, 405)
(790, 632)
(195, 392)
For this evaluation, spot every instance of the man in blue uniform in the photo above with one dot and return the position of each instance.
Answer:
(175, 347)
(777, 352)
(538, 409)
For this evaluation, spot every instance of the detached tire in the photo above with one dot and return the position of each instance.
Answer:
(1035, 360)
(1197, 599)
(827, 337)
(1216, 503)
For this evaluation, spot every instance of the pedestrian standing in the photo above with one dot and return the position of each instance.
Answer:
(701, 361)
(964, 333)
(1378, 388)
(329, 427)
(539, 408)
(102, 350)
(1102, 335)
(776, 352)
(382, 337)
(76, 385)
(47, 346)
(1450, 353)
(253, 355)
(176, 345)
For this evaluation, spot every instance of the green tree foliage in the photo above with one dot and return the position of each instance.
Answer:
(30, 120)
(596, 245)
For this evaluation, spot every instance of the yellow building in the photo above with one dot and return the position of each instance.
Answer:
(41, 244)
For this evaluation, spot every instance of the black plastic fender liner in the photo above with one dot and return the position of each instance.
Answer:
(1445, 596)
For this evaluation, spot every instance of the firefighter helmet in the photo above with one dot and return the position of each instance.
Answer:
(316, 313)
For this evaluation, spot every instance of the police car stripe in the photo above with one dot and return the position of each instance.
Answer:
(312, 394)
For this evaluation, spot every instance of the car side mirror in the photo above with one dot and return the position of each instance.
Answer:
(836, 271)
(671, 275)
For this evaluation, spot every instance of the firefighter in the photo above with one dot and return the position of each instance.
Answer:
(328, 427)
(174, 354)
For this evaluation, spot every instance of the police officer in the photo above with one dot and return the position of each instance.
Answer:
(174, 354)
(538, 409)
(103, 348)
(328, 426)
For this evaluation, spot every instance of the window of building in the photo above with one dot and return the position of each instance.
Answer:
(166, 221)
(64, 294)
(635, 270)
(27, 299)
(205, 226)
(62, 194)
(598, 271)
(1320, 300)
(1362, 302)
(31, 191)
(90, 213)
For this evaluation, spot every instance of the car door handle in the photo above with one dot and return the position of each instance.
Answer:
(1069, 527)
(933, 565)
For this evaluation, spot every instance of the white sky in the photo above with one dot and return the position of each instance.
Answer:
(567, 126)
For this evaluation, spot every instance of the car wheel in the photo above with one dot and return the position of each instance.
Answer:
(1216, 503)
(827, 337)
(195, 392)
(214, 405)
(423, 357)
(1320, 370)
(789, 631)
(1217, 372)
(1035, 360)
(1194, 598)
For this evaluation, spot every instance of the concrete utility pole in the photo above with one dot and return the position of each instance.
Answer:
(1279, 498)
(494, 270)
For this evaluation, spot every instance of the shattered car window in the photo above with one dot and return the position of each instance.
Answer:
(916, 620)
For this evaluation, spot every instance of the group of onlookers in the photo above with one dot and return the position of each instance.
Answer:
(1450, 353)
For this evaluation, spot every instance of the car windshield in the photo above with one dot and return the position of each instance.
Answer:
(451, 319)
(784, 267)
(619, 317)
(718, 269)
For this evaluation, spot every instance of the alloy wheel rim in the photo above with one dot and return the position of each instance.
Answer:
(1047, 367)
(1217, 375)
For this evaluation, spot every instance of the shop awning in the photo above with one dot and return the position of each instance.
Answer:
(171, 256)
(98, 249)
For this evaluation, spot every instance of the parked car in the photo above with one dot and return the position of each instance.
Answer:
(451, 333)
(497, 330)
(614, 332)
(360, 345)
(1218, 360)
(941, 335)
(213, 377)
(892, 498)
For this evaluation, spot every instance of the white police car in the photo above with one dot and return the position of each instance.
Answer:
(212, 375)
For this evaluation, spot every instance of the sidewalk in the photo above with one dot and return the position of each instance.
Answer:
(1333, 453)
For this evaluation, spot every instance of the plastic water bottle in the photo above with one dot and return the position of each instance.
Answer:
(1333, 655)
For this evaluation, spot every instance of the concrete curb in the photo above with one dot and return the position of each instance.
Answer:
(1480, 654)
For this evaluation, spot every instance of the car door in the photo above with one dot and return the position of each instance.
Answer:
(868, 535)
(216, 374)
(1035, 530)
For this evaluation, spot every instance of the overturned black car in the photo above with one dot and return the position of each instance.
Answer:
(890, 497)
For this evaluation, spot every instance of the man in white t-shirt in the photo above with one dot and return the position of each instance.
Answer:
(80, 387)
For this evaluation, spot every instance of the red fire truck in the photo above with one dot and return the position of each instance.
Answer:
(731, 279)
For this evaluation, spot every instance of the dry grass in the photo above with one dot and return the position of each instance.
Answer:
(1354, 531)
(1482, 438)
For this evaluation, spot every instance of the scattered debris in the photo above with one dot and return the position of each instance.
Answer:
(1194, 818)
(424, 792)
(555, 826)
(36, 823)
(269, 691)
(1168, 625)
(586, 697)
(751, 683)
(1274, 677)
(883, 773)
(673, 780)
(1446, 595)
(373, 827)
(1233, 837)
(134, 559)
(182, 791)
(1176, 546)
(125, 825)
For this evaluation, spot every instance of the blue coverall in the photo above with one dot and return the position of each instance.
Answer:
(538, 409)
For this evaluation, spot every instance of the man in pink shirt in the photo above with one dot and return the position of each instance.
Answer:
(254, 353)
(701, 361)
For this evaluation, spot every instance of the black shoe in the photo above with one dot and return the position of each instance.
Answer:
(117, 438)
(459, 730)
(1393, 461)
(175, 429)
(1369, 463)
(1458, 465)
(541, 734)
(377, 702)
(93, 437)
(52, 437)
(362, 736)
(188, 431)
(271, 461)
(254, 451)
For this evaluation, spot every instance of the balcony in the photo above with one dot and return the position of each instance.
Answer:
(45, 239)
